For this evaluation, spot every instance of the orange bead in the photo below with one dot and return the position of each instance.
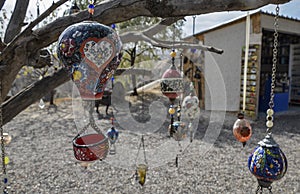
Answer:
(242, 130)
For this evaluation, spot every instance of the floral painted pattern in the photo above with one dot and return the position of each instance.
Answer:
(268, 164)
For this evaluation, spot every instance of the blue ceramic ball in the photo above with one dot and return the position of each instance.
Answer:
(267, 164)
(90, 52)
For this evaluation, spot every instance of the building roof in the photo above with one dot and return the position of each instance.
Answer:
(238, 19)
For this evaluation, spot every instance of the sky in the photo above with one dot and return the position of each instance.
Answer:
(205, 21)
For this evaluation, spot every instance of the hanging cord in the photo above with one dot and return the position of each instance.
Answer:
(89, 106)
(246, 60)
(270, 111)
(37, 8)
(142, 144)
(5, 179)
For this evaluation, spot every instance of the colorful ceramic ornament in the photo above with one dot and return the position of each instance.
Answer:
(171, 84)
(267, 162)
(180, 131)
(90, 147)
(112, 135)
(190, 106)
(242, 129)
(90, 52)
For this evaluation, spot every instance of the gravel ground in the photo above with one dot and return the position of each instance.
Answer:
(42, 160)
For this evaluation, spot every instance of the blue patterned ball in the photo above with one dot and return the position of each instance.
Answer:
(268, 164)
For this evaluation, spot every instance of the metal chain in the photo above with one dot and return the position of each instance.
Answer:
(259, 190)
(270, 111)
(274, 60)
(5, 189)
(270, 189)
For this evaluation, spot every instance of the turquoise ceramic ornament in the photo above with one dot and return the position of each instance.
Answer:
(267, 162)
(90, 52)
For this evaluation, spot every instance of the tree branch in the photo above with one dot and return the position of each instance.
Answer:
(31, 94)
(16, 104)
(45, 14)
(1, 3)
(17, 20)
(140, 36)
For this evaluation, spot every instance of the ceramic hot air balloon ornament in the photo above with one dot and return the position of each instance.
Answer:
(242, 129)
(90, 52)
(267, 162)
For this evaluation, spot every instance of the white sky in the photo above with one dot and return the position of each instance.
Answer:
(291, 9)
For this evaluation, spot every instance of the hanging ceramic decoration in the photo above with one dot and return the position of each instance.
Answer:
(267, 162)
(171, 83)
(190, 108)
(180, 130)
(112, 135)
(141, 167)
(90, 52)
(242, 129)
(90, 147)
(172, 86)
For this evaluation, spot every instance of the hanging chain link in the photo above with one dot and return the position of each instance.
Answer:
(5, 189)
(274, 60)
(259, 190)
(270, 111)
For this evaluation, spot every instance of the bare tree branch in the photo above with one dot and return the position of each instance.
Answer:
(151, 31)
(1, 3)
(17, 20)
(134, 36)
(31, 94)
(16, 104)
(45, 14)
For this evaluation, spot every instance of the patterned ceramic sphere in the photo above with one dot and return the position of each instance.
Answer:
(90, 52)
(190, 106)
(267, 163)
(112, 135)
(171, 84)
(242, 130)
